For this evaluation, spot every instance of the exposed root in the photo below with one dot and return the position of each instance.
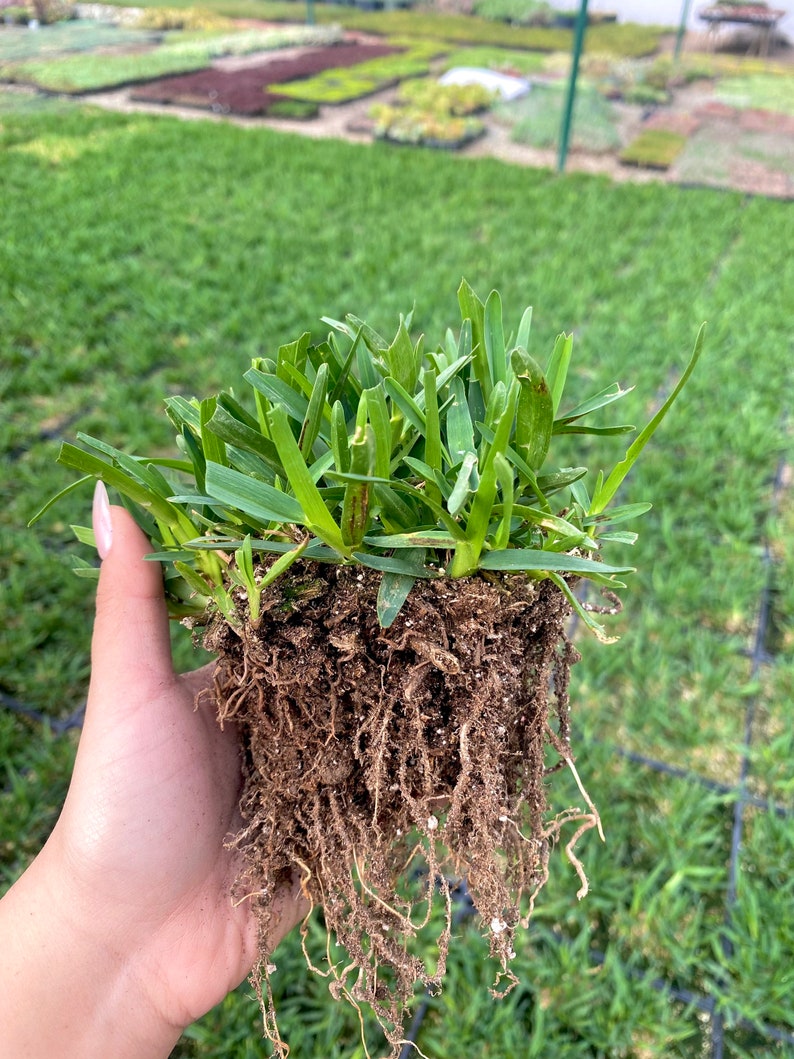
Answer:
(378, 762)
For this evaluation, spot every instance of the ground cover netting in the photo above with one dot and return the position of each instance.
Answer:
(162, 256)
(245, 91)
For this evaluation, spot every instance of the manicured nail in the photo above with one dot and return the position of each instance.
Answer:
(103, 526)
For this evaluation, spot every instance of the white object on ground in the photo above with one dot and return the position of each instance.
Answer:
(508, 86)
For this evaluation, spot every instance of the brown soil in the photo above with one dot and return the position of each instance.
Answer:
(373, 753)
(243, 88)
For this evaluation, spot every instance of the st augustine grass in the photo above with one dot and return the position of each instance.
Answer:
(142, 257)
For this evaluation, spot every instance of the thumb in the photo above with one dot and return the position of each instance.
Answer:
(131, 645)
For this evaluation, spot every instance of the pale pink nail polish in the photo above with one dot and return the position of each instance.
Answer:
(103, 526)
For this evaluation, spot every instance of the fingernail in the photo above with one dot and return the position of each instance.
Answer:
(103, 526)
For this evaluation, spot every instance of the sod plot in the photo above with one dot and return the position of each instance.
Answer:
(245, 91)
(93, 69)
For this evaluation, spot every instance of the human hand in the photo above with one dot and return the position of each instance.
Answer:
(136, 876)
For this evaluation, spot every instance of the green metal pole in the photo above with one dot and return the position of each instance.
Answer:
(578, 41)
(309, 12)
(679, 37)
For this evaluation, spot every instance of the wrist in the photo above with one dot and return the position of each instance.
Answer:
(71, 986)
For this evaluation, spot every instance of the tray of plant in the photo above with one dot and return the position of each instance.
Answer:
(372, 536)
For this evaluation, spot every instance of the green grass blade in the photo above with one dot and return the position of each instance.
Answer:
(406, 404)
(586, 615)
(197, 459)
(194, 580)
(524, 329)
(419, 539)
(242, 436)
(356, 503)
(258, 499)
(59, 496)
(504, 474)
(459, 427)
(391, 564)
(580, 428)
(232, 407)
(605, 397)
(534, 413)
(449, 373)
(394, 512)
(617, 514)
(279, 392)
(554, 524)
(537, 560)
(367, 367)
(339, 438)
(432, 428)
(314, 413)
(465, 484)
(283, 563)
(143, 470)
(494, 338)
(85, 535)
(467, 555)
(213, 447)
(423, 500)
(394, 589)
(294, 355)
(404, 359)
(88, 464)
(315, 514)
(557, 480)
(472, 309)
(557, 369)
(431, 476)
(378, 413)
(608, 489)
(182, 412)
(346, 385)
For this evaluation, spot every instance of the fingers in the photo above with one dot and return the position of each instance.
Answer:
(131, 647)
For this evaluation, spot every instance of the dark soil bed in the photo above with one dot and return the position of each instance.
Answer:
(245, 91)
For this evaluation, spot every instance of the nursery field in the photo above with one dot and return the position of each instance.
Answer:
(142, 257)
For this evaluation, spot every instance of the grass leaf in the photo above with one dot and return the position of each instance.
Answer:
(557, 369)
(395, 588)
(315, 515)
(265, 503)
(606, 491)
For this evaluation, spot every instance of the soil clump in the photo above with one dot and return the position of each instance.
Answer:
(375, 756)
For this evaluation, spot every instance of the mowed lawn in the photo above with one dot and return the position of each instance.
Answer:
(142, 257)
